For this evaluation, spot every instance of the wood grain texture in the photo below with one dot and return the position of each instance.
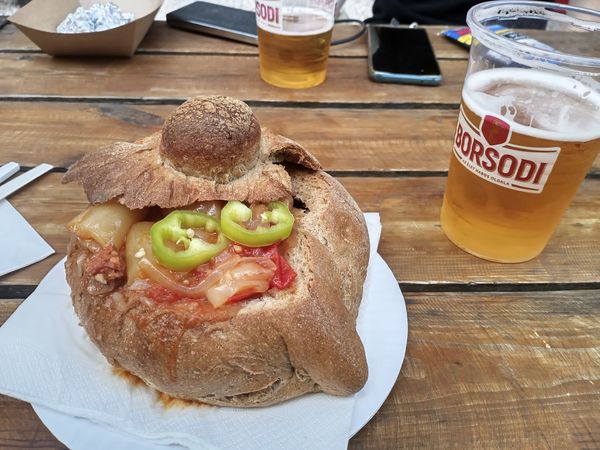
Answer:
(495, 371)
(483, 370)
(7, 307)
(385, 140)
(163, 39)
(20, 428)
(412, 242)
(486, 371)
(418, 252)
(342, 139)
(177, 77)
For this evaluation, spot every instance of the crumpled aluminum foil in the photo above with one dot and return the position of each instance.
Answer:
(98, 17)
(8, 7)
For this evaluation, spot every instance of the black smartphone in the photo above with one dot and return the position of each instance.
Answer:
(401, 55)
(216, 20)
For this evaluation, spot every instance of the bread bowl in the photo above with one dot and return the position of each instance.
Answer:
(276, 343)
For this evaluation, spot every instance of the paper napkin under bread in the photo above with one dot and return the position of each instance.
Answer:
(47, 359)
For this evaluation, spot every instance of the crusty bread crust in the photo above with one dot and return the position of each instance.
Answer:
(216, 138)
(255, 353)
(138, 175)
(252, 353)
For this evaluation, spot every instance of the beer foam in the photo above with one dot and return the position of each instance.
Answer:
(536, 103)
(305, 21)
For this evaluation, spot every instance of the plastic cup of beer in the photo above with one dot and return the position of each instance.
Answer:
(528, 127)
(293, 41)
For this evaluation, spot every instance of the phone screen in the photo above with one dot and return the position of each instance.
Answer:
(402, 51)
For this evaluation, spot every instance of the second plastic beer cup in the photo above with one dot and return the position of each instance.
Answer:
(528, 128)
(293, 41)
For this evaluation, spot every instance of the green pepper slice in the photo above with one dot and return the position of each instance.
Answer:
(278, 216)
(176, 230)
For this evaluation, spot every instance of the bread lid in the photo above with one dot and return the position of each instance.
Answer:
(210, 148)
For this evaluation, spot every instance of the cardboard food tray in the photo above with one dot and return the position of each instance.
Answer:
(39, 18)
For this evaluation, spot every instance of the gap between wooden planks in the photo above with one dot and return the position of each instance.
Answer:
(21, 428)
(343, 140)
(174, 78)
(481, 371)
(495, 371)
(163, 39)
(412, 242)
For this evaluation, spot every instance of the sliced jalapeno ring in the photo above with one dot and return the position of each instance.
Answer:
(176, 230)
(278, 221)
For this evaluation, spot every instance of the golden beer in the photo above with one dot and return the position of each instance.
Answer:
(296, 56)
(524, 142)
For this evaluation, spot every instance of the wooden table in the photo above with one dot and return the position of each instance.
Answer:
(498, 355)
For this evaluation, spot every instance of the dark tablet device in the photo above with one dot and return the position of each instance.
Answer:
(216, 20)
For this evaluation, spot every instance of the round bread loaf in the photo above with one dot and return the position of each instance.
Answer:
(252, 353)
(217, 138)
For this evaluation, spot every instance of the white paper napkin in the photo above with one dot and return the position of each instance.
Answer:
(47, 359)
(20, 245)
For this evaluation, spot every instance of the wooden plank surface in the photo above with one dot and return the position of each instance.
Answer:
(7, 307)
(492, 371)
(486, 371)
(412, 242)
(163, 39)
(342, 139)
(483, 369)
(177, 77)
(20, 428)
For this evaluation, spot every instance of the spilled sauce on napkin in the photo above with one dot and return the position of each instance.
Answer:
(164, 399)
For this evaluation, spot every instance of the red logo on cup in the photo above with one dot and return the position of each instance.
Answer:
(495, 130)
(485, 152)
(268, 14)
